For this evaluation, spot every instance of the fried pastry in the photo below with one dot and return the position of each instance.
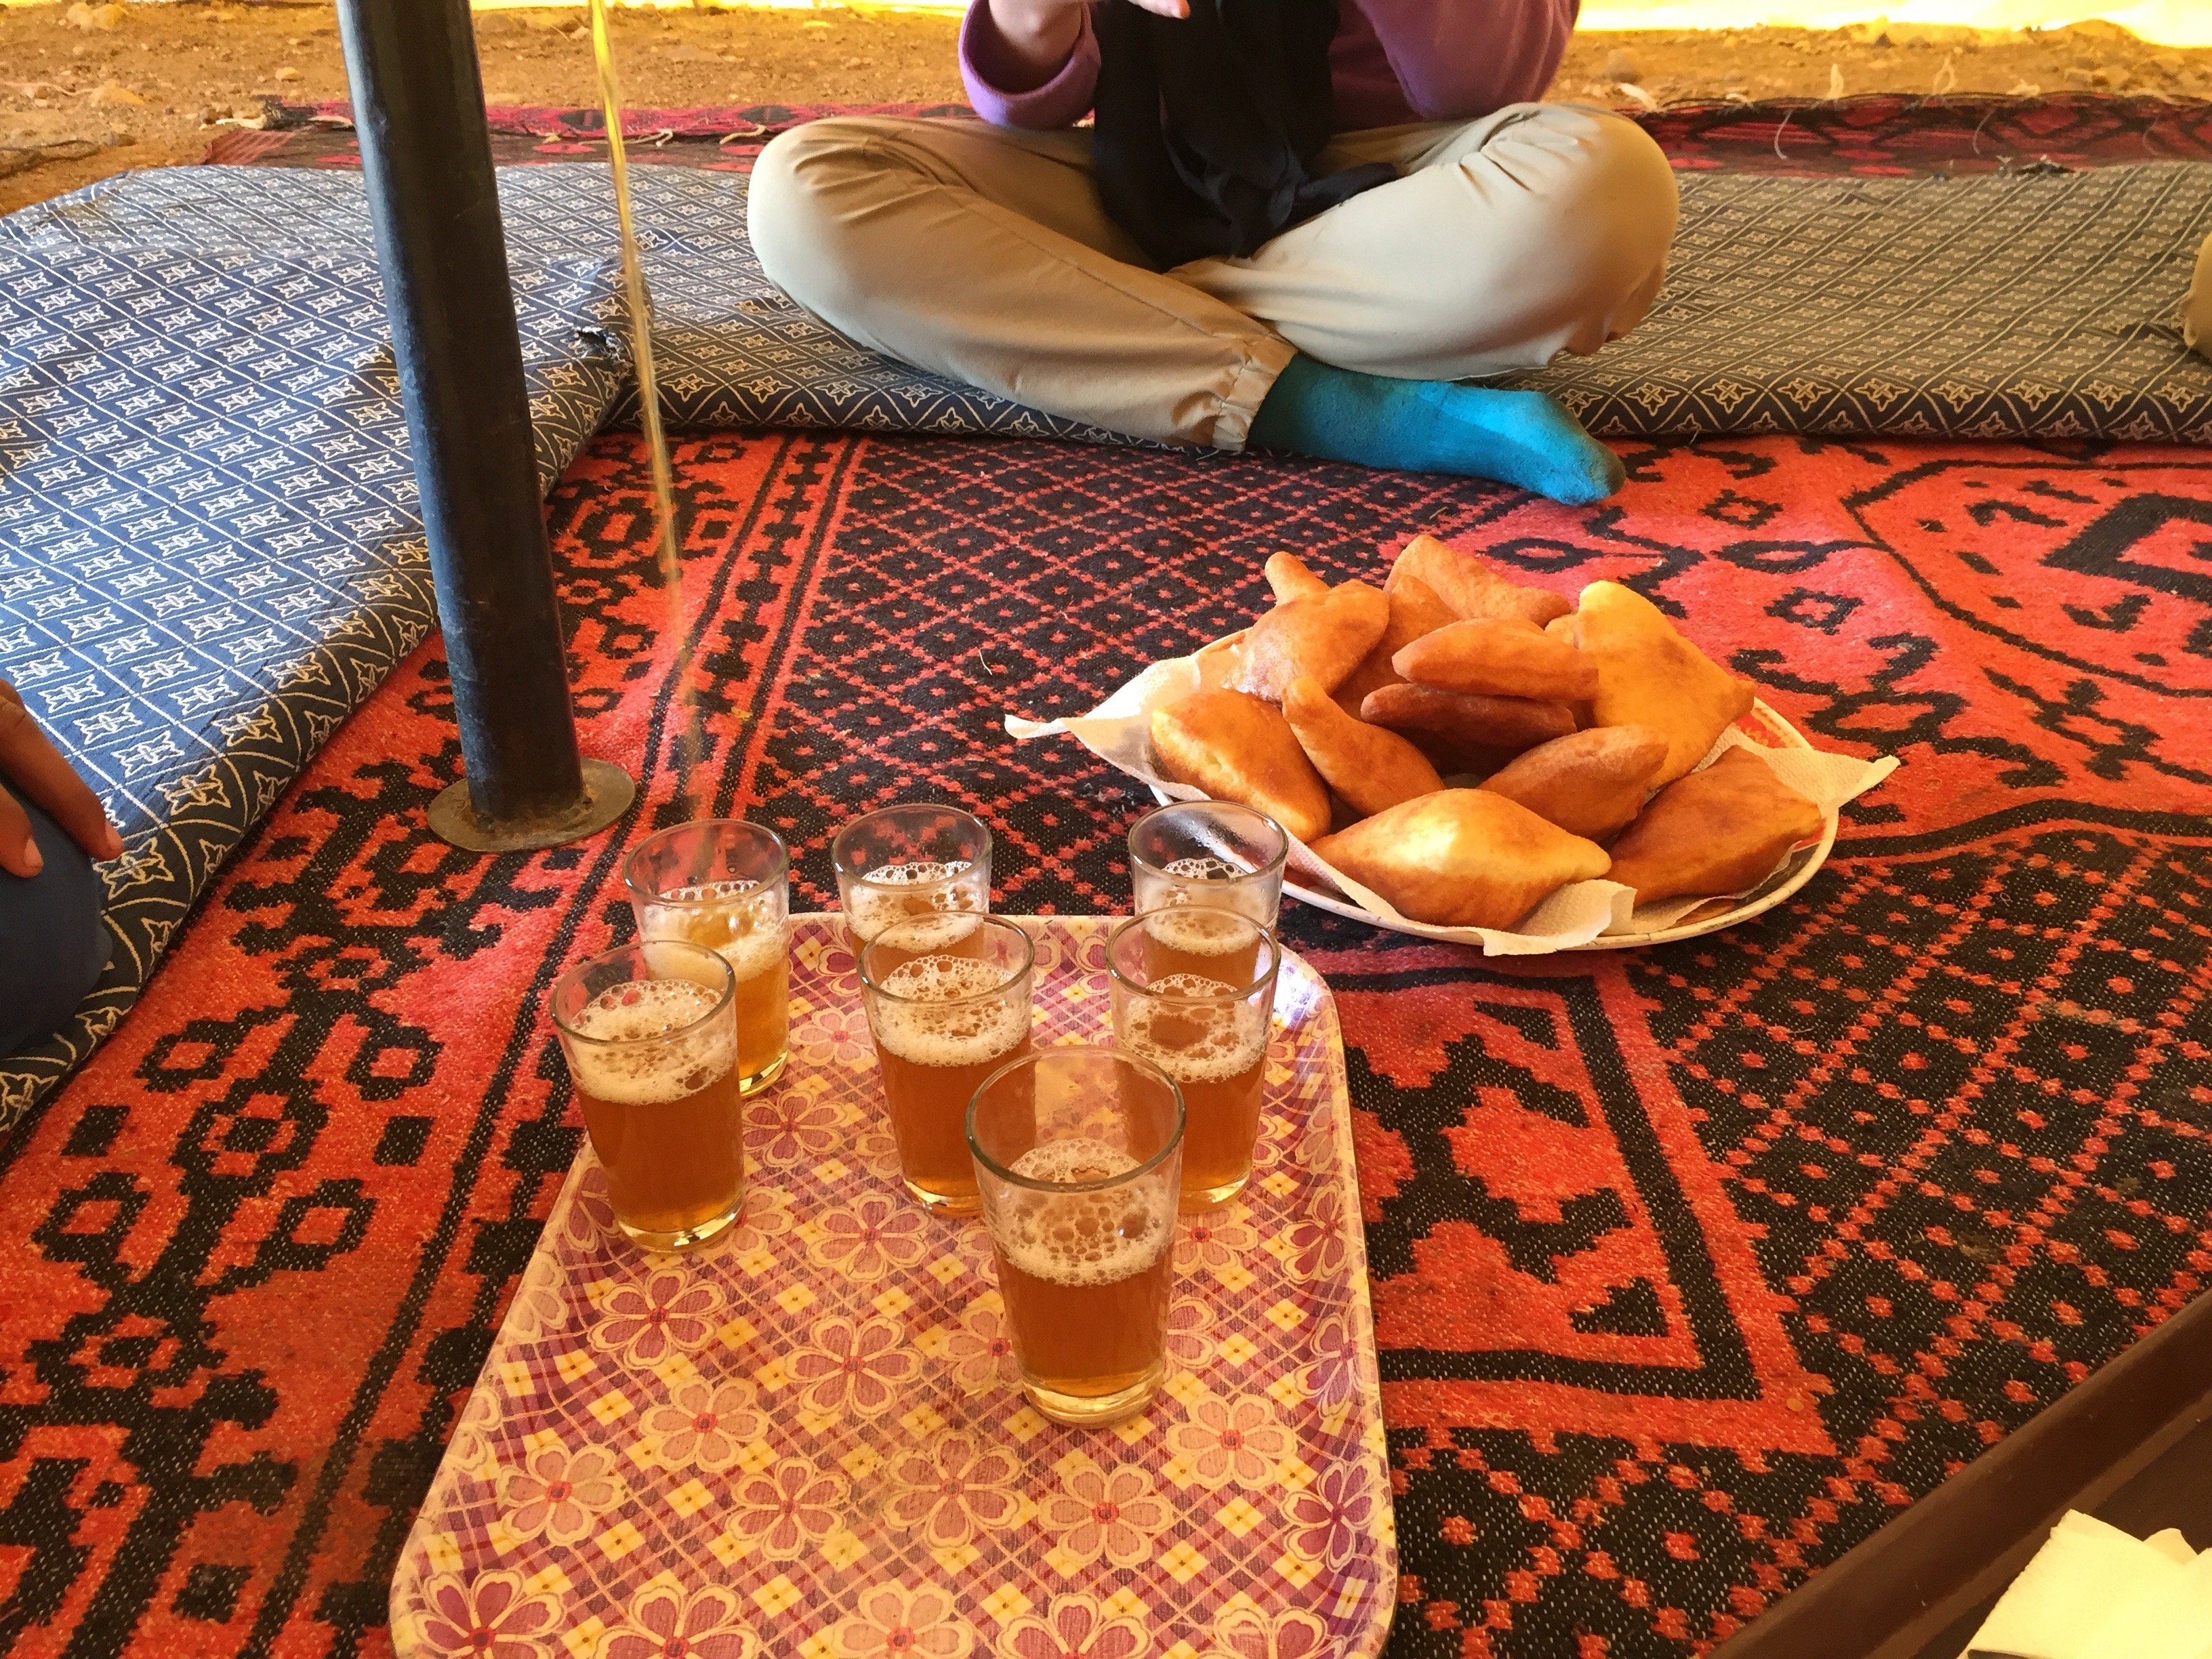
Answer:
(1415, 610)
(1565, 629)
(1236, 747)
(1589, 784)
(1499, 656)
(1461, 857)
(1463, 729)
(1720, 831)
(1372, 768)
(1471, 587)
(1289, 579)
(1322, 635)
(1649, 675)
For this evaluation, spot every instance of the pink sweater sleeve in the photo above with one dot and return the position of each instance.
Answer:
(1457, 59)
(1060, 102)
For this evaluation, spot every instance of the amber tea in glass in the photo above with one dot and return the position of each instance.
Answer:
(1212, 853)
(1078, 1153)
(1193, 989)
(725, 884)
(915, 861)
(945, 1014)
(650, 1033)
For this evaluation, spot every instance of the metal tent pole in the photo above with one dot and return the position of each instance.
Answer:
(418, 106)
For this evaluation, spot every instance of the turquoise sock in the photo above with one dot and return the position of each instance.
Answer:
(1520, 438)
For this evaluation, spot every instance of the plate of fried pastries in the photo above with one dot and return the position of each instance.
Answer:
(1461, 755)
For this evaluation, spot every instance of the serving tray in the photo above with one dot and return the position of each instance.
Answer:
(806, 1439)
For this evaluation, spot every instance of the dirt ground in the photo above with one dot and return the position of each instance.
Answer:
(86, 90)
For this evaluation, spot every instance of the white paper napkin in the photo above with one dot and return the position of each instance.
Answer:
(2094, 1592)
(1119, 732)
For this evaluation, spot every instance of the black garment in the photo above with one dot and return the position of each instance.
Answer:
(1208, 125)
(52, 942)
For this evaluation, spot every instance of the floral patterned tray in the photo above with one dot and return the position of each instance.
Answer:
(806, 1439)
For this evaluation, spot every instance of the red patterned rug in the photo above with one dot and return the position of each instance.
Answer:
(1691, 1265)
(1876, 134)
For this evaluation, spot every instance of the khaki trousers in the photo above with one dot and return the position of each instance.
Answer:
(984, 254)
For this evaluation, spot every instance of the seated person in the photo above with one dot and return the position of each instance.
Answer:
(1507, 232)
(52, 942)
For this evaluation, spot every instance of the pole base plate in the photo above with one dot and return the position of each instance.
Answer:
(608, 792)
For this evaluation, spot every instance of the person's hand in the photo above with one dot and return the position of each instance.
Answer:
(30, 763)
(1041, 33)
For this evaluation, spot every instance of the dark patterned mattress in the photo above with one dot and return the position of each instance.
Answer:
(2031, 306)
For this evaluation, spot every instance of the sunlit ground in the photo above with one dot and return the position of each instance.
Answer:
(2168, 22)
(92, 88)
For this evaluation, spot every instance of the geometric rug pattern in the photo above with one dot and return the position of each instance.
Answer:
(1691, 1265)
